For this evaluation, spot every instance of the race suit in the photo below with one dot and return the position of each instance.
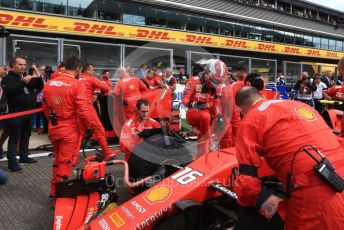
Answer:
(129, 138)
(57, 73)
(202, 108)
(276, 130)
(65, 97)
(92, 83)
(129, 89)
(236, 86)
(154, 82)
(108, 83)
(337, 93)
(224, 134)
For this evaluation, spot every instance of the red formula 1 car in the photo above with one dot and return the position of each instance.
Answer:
(198, 193)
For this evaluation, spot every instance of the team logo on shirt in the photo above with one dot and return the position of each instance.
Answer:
(198, 88)
(305, 113)
(56, 100)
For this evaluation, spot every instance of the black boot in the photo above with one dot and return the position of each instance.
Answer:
(14, 166)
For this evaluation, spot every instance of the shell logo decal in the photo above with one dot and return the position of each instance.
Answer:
(158, 194)
(57, 100)
(305, 113)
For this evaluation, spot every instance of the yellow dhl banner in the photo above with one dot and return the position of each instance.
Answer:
(38, 22)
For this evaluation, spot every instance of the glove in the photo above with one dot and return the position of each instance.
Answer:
(89, 133)
(219, 122)
(145, 133)
(99, 157)
(149, 132)
(125, 103)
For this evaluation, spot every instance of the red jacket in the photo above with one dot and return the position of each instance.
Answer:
(336, 92)
(193, 94)
(153, 82)
(65, 95)
(57, 73)
(129, 138)
(129, 88)
(91, 85)
(275, 130)
(108, 82)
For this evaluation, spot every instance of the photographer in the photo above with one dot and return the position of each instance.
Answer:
(305, 89)
(19, 91)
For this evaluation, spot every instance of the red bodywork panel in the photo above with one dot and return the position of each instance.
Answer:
(270, 95)
(72, 213)
(160, 103)
(333, 118)
(191, 182)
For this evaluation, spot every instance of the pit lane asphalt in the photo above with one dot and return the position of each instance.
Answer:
(24, 199)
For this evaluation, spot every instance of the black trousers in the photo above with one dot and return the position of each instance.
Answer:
(105, 114)
(318, 106)
(19, 130)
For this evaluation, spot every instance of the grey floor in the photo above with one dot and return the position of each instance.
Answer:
(24, 201)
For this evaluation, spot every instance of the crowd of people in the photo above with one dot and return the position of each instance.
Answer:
(311, 90)
(298, 11)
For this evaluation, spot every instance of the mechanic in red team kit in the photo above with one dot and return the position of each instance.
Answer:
(65, 105)
(106, 79)
(129, 134)
(203, 102)
(60, 70)
(128, 89)
(337, 93)
(153, 79)
(91, 83)
(236, 86)
(308, 162)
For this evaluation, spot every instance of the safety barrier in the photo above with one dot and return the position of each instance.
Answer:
(18, 114)
(32, 111)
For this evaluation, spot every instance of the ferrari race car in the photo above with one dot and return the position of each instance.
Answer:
(198, 194)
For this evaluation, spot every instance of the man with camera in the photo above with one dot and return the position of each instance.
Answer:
(305, 89)
(19, 90)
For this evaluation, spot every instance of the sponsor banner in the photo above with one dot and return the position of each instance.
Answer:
(56, 24)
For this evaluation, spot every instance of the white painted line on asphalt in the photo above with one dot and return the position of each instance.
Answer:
(44, 154)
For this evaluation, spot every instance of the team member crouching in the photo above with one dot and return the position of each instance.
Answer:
(313, 203)
(65, 104)
(202, 97)
(129, 134)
